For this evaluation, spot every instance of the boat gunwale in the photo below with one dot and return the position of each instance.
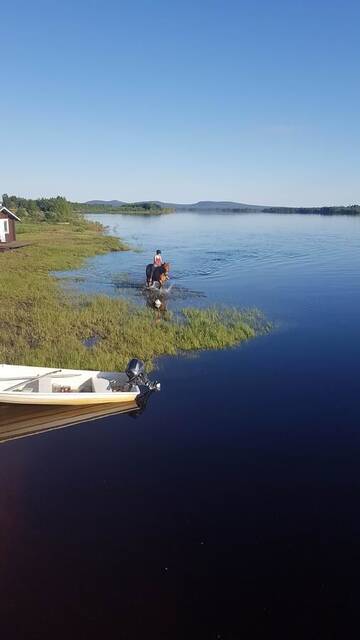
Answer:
(75, 397)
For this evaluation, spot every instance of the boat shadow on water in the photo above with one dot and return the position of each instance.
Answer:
(19, 421)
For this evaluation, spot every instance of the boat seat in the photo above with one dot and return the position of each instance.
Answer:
(100, 385)
(45, 385)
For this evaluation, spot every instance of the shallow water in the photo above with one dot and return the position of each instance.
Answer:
(291, 266)
(231, 503)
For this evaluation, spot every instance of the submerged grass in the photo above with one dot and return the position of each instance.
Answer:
(42, 325)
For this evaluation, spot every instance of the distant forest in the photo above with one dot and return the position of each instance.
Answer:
(59, 209)
(352, 210)
(40, 210)
(133, 208)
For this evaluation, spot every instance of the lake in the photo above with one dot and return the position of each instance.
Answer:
(229, 508)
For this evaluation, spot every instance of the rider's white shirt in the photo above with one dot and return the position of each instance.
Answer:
(158, 261)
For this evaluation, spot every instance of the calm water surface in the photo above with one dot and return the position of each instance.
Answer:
(230, 508)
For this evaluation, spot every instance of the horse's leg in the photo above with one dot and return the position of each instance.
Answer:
(148, 275)
(151, 276)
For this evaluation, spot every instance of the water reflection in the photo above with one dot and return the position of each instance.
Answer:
(18, 421)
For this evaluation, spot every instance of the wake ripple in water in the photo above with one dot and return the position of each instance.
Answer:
(177, 292)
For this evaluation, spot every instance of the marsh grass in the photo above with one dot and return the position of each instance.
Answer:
(42, 325)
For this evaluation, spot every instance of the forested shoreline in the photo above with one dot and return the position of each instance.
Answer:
(59, 209)
(133, 208)
(352, 210)
(41, 209)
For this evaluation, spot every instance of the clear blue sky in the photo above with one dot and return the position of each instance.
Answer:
(255, 101)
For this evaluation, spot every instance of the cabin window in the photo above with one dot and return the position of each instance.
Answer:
(6, 225)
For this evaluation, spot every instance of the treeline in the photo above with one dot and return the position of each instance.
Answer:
(225, 209)
(61, 210)
(40, 210)
(352, 210)
(133, 208)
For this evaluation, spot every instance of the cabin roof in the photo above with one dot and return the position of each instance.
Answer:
(10, 213)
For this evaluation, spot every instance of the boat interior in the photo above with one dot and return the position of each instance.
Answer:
(68, 382)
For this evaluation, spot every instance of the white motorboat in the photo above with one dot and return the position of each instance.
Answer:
(46, 386)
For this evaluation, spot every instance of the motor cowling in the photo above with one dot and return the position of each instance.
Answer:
(135, 369)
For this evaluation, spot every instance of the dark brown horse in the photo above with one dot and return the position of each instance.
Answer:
(159, 274)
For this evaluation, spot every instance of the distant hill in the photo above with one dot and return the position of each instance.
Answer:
(110, 203)
(205, 205)
(158, 207)
(219, 206)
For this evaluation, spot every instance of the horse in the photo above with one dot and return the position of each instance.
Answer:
(159, 274)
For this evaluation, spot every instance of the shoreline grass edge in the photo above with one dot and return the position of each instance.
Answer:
(40, 324)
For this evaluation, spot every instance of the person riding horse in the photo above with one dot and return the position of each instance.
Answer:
(158, 259)
(157, 271)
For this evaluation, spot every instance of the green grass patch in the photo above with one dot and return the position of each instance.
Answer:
(40, 324)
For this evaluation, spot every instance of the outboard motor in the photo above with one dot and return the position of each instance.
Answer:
(135, 371)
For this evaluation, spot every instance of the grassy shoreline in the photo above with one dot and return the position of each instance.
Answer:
(41, 324)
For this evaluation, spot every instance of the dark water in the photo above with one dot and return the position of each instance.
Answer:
(230, 508)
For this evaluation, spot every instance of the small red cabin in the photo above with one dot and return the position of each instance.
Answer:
(7, 225)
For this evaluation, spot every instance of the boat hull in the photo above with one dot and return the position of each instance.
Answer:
(19, 421)
(68, 399)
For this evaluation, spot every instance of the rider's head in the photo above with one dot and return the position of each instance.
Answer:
(158, 252)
